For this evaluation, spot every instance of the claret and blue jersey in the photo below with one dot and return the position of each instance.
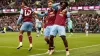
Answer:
(26, 17)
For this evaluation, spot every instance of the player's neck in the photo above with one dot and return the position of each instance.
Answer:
(25, 6)
(63, 9)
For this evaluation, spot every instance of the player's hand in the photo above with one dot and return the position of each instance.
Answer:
(35, 12)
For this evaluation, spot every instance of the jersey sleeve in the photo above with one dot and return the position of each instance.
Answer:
(42, 15)
(20, 17)
(55, 6)
(68, 16)
(21, 12)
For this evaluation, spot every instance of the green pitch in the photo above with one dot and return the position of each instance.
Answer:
(79, 45)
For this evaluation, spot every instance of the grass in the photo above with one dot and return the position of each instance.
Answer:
(79, 45)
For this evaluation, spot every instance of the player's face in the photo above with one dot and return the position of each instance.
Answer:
(50, 4)
(63, 6)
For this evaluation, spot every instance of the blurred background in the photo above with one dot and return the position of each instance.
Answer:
(81, 11)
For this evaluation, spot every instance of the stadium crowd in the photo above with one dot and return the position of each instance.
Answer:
(85, 3)
(43, 3)
(77, 19)
(9, 22)
(80, 19)
(5, 3)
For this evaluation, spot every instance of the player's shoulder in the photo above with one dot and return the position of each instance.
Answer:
(51, 9)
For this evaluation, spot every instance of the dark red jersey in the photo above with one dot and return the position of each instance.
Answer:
(45, 24)
(51, 17)
(61, 18)
(27, 14)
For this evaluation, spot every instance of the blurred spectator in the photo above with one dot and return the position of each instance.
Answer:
(92, 19)
(85, 3)
(43, 3)
(77, 19)
(9, 21)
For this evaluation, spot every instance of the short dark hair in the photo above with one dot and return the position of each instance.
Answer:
(25, 3)
(50, 1)
(66, 3)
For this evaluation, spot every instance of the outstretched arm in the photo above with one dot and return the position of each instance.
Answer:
(42, 15)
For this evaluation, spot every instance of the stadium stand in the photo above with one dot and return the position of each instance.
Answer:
(78, 19)
(85, 3)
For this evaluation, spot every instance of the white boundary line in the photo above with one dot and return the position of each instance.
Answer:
(69, 35)
(69, 49)
(21, 48)
(55, 51)
(38, 54)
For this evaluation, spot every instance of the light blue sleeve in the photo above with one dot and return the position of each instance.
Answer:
(21, 12)
(20, 17)
(55, 6)
(42, 15)
(68, 16)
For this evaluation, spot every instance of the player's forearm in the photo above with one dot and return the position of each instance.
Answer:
(68, 19)
(68, 16)
(40, 15)
(55, 6)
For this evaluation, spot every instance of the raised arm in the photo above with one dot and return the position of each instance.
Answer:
(42, 15)
(55, 6)
(68, 16)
